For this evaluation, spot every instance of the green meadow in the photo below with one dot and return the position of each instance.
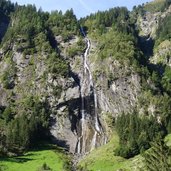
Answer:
(103, 159)
(51, 159)
(54, 159)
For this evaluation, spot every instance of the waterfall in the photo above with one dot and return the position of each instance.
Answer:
(85, 140)
(86, 68)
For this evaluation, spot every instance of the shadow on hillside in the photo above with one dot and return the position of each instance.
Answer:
(146, 44)
(16, 159)
(30, 155)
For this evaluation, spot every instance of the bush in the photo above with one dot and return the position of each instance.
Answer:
(45, 167)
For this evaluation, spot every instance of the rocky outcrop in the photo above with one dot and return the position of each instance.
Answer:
(148, 23)
(78, 126)
(117, 86)
(65, 115)
(120, 96)
(162, 54)
(104, 91)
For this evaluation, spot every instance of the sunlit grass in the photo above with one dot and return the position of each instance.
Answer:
(103, 159)
(34, 160)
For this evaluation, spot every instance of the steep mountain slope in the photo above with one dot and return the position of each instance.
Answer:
(43, 65)
(74, 82)
(153, 96)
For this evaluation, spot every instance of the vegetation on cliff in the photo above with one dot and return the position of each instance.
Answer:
(31, 32)
(38, 50)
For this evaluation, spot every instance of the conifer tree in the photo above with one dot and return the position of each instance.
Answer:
(156, 158)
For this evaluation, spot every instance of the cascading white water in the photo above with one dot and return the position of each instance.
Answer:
(86, 67)
(87, 85)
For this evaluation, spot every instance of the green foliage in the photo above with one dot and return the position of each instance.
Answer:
(76, 49)
(116, 17)
(136, 133)
(155, 78)
(121, 47)
(35, 160)
(166, 80)
(6, 80)
(7, 115)
(137, 10)
(6, 8)
(160, 104)
(163, 31)
(26, 24)
(45, 167)
(30, 22)
(157, 158)
(80, 168)
(117, 45)
(32, 32)
(103, 158)
(65, 25)
(115, 32)
(67, 166)
(18, 135)
(28, 127)
(72, 51)
(57, 66)
(9, 74)
(157, 6)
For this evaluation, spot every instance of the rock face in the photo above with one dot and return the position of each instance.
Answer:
(84, 131)
(87, 98)
(90, 131)
(162, 54)
(121, 95)
(91, 98)
(118, 88)
(148, 23)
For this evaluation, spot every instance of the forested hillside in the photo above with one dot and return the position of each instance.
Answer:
(30, 53)
(103, 80)
(118, 38)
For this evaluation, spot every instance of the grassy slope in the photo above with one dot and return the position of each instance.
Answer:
(103, 159)
(33, 161)
(154, 6)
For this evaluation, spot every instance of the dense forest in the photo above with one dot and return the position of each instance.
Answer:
(32, 31)
(26, 114)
